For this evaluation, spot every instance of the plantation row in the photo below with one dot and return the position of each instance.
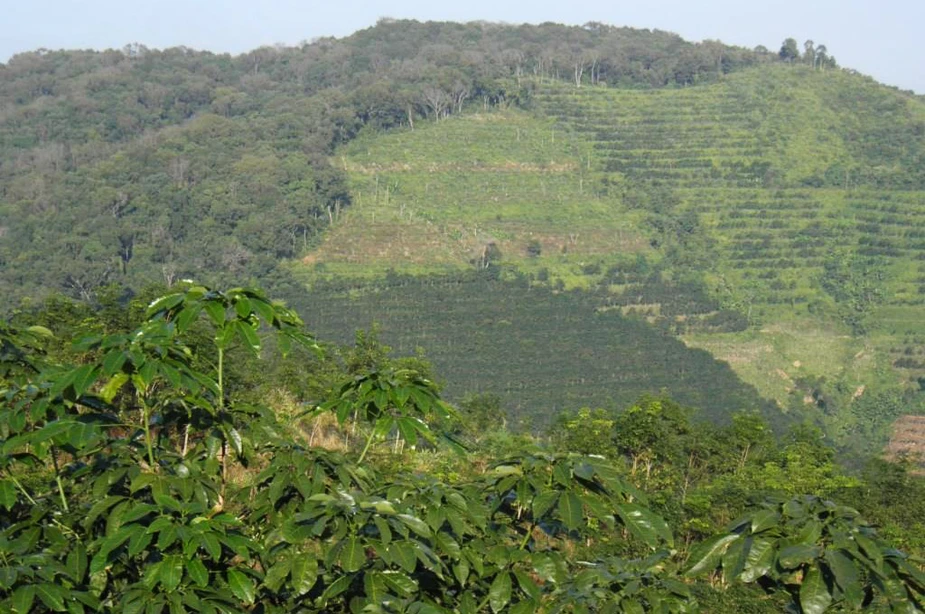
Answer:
(541, 351)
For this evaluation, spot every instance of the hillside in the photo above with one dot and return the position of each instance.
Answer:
(541, 353)
(761, 207)
(760, 217)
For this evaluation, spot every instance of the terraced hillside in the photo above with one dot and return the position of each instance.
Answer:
(763, 217)
(811, 210)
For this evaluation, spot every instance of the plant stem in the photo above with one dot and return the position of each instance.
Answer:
(54, 460)
(221, 406)
(23, 490)
(369, 441)
(146, 417)
(523, 544)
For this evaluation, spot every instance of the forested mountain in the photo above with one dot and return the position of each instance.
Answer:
(122, 166)
(746, 200)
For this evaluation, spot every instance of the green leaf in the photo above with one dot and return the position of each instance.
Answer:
(171, 572)
(759, 560)
(304, 573)
(216, 312)
(400, 583)
(52, 596)
(846, 575)
(645, 525)
(385, 533)
(404, 554)
(211, 544)
(415, 524)
(764, 520)
(543, 502)
(7, 494)
(242, 307)
(707, 555)
(241, 586)
(814, 594)
(528, 606)
(570, 510)
(352, 555)
(112, 387)
(197, 572)
(335, 588)
(77, 563)
(248, 335)
(499, 595)
(164, 303)
(527, 585)
(234, 438)
(792, 557)
(22, 599)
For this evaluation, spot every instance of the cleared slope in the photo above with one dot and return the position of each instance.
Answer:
(435, 198)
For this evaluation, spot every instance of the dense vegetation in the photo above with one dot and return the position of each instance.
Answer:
(136, 476)
(545, 351)
(139, 164)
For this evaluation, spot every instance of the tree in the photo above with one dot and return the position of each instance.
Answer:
(789, 51)
(809, 53)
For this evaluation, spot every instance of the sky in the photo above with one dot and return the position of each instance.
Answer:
(882, 38)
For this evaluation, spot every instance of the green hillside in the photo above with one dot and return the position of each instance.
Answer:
(762, 207)
(760, 217)
(540, 352)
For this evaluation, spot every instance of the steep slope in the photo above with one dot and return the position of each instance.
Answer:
(763, 194)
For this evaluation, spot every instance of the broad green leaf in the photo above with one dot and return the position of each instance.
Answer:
(241, 586)
(52, 596)
(22, 599)
(527, 585)
(528, 606)
(352, 555)
(499, 594)
(764, 520)
(276, 575)
(171, 572)
(400, 583)
(77, 563)
(707, 555)
(792, 557)
(846, 575)
(197, 572)
(248, 335)
(415, 524)
(759, 560)
(645, 524)
(304, 573)
(814, 594)
(385, 533)
(461, 571)
(216, 312)
(570, 510)
(403, 552)
(335, 588)
(242, 307)
(543, 502)
(164, 303)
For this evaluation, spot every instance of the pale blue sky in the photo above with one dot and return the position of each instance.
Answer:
(881, 38)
